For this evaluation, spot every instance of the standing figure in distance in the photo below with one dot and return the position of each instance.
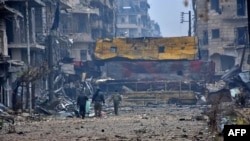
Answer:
(81, 102)
(117, 98)
(98, 99)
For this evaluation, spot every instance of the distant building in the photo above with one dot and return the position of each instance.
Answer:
(155, 29)
(84, 23)
(133, 19)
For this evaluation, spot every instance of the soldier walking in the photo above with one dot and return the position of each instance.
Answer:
(117, 98)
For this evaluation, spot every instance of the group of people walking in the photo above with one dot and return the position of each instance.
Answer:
(98, 101)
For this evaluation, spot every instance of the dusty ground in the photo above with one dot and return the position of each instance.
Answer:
(169, 123)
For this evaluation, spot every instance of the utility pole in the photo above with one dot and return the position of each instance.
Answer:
(50, 65)
(189, 21)
(28, 53)
(248, 27)
(115, 11)
(248, 14)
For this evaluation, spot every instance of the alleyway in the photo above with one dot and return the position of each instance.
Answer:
(165, 123)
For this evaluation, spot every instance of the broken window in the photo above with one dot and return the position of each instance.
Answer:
(205, 37)
(215, 33)
(241, 35)
(215, 5)
(227, 62)
(81, 25)
(83, 54)
(161, 49)
(144, 20)
(132, 19)
(9, 31)
(248, 59)
(241, 7)
(204, 54)
(123, 20)
(39, 20)
(132, 32)
(24, 55)
(179, 72)
(113, 49)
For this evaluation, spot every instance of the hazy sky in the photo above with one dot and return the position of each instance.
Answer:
(167, 13)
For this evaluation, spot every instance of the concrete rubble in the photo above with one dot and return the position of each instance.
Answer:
(165, 122)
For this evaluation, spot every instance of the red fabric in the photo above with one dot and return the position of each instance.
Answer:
(196, 66)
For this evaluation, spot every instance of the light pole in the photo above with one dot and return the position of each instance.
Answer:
(189, 21)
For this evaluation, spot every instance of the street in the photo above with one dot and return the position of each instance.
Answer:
(164, 123)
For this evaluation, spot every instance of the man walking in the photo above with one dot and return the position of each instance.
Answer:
(117, 98)
(98, 99)
(81, 102)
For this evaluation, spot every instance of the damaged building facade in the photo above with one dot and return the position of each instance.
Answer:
(6, 12)
(25, 26)
(83, 24)
(222, 29)
(14, 40)
(47, 44)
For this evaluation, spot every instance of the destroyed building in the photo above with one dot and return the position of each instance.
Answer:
(25, 26)
(83, 23)
(14, 29)
(222, 30)
(152, 65)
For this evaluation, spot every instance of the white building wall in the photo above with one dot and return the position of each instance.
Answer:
(76, 51)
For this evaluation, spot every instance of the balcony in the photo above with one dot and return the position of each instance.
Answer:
(79, 9)
(24, 45)
(81, 37)
(127, 25)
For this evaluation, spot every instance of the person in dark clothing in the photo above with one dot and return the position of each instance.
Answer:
(242, 99)
(98, 99)
(81, 102)
(117, 98)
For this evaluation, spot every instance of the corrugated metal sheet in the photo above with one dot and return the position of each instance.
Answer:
(167, 48)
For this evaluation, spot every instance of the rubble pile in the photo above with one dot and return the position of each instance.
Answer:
(216, 86)
(165, 122)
